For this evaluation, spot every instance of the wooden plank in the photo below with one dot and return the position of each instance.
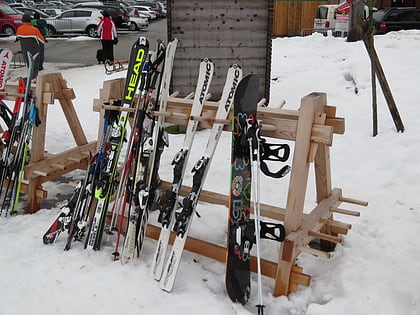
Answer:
(281, 118)
(67, 159)
(213, 251)
(312, 251)
(268, 211)
(300, 169)
(319, 119)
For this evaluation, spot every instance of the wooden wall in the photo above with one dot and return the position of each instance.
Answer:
(227, 32)
(291, 17)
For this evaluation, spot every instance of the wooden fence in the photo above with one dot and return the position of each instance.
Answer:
(291, 17)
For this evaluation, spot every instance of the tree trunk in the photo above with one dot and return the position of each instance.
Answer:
(356, 21)
(376, 64)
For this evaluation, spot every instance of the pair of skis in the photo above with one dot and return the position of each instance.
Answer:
(17, 142)
(96, 190)
(179, 220)
(147, 153)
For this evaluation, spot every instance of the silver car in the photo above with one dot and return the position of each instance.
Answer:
(137, 20)
(83, 20)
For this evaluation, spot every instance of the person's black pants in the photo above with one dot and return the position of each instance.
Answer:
(108, 48)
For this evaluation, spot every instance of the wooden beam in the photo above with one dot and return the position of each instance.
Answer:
(213, 251)
(313, 251)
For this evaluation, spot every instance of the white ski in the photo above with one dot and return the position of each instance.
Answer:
(184, 217)
(180, 162)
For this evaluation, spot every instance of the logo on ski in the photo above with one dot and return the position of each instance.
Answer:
(6, 58)
(237, 76)
(134, 77)
(207, 77)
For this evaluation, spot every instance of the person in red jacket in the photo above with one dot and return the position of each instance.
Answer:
(30, 40)
(107, 31)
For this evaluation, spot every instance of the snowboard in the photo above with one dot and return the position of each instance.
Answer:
(241, 228)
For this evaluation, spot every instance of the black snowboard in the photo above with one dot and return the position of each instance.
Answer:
(241, 228)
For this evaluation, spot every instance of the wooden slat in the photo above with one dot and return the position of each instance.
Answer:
(213, 251)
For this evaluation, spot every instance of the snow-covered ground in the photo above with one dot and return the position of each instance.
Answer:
(375, 271)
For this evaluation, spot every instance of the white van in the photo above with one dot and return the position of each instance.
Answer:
(325, 16)
(342, 18)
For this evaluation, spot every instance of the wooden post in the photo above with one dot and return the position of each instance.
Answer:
(38, 143)
(297, 188)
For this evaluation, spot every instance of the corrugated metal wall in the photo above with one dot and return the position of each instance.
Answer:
(226, 31)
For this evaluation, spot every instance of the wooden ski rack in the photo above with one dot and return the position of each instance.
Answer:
(311, 128)
(44, 166)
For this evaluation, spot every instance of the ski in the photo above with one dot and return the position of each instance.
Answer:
(19, 156)
(61, 223)
(106, 180)
(159, 142)
(76, 213)
(6, 56)
(144, 130)
(182, 218)
(9, 139)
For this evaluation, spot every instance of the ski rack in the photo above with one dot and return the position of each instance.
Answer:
(44, 166)
(311, 128)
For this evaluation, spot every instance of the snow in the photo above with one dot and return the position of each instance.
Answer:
(374, 271)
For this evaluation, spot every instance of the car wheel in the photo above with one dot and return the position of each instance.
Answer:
(132, 26)
(51, 30)
(8, 30)
(91, 31)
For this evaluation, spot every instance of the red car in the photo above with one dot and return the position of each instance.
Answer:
(10, 20)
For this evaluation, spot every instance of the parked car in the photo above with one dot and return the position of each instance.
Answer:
(10, 19)
(152, 14)
(117, 12)
(52, 11)
(154, 5)
(137, 20)
(325, 16)
(32, 11)
(81, 20)
(396, 18)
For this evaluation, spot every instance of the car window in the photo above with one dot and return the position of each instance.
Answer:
(112, 11)
(68, 14)
(378, 15)
(8, 10)
(321, 13)
(82, 13)
(406, 16)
